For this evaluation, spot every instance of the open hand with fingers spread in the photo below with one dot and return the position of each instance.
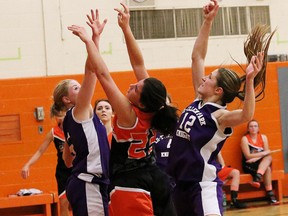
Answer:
(95, 24)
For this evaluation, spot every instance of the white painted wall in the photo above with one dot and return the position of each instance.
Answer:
(35, 42)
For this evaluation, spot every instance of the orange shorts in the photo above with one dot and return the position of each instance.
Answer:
(130, 202)
(224, 173)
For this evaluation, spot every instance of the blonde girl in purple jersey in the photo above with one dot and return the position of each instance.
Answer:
(87, 187)
(205, 124)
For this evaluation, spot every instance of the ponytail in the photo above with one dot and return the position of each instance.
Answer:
(257, 41)
(55, 110)
(165, 120)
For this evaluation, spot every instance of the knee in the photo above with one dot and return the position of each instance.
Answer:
(268, 158)
(235, 173)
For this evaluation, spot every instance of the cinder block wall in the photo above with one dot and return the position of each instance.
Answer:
(21, 96)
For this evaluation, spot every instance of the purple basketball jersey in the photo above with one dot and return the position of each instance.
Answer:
(90, 142)
(196, 143)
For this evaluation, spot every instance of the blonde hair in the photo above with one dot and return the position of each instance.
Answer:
(59, 92)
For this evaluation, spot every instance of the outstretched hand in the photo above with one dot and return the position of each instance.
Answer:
(123, 16)
(80, 32)
(255, 65)
(211, 9)
(95, 24)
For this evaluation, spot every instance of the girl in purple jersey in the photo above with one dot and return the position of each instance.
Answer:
(205, 124)
(87, 187)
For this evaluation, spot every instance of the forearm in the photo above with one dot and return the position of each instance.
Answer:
(97, 65)
(249, 101)
(133, 49)
(96, 40)
(135, 54)
(199, 54)
(256, 155)
(201, 43)
(33, 159)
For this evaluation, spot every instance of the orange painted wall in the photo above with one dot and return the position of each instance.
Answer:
(21, 96)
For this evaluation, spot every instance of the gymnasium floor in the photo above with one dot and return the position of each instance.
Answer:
(260, 208)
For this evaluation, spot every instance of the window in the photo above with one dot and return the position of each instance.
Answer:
(188, 21)
(259, 15)
(152, 24)
(181, 23)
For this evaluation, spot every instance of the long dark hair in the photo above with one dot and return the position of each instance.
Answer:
(153, 97)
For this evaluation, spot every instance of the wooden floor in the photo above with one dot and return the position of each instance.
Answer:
(260, 208)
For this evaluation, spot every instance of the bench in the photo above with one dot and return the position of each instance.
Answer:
(246, 191)
(41, 204)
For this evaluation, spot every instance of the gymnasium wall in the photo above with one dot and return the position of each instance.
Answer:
(19, 97)
(35, 42)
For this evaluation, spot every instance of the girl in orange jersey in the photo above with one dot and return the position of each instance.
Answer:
(257, 159)
(138, 186)
(62, 172)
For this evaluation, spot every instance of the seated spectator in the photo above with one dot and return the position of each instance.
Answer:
(62, 173)
(228, 173)
(257, 159)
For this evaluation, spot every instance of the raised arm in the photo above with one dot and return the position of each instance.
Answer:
(134, 52)
(252, 70)
(83, 109)
(201, 44)
(119, 102)
(42, 148)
